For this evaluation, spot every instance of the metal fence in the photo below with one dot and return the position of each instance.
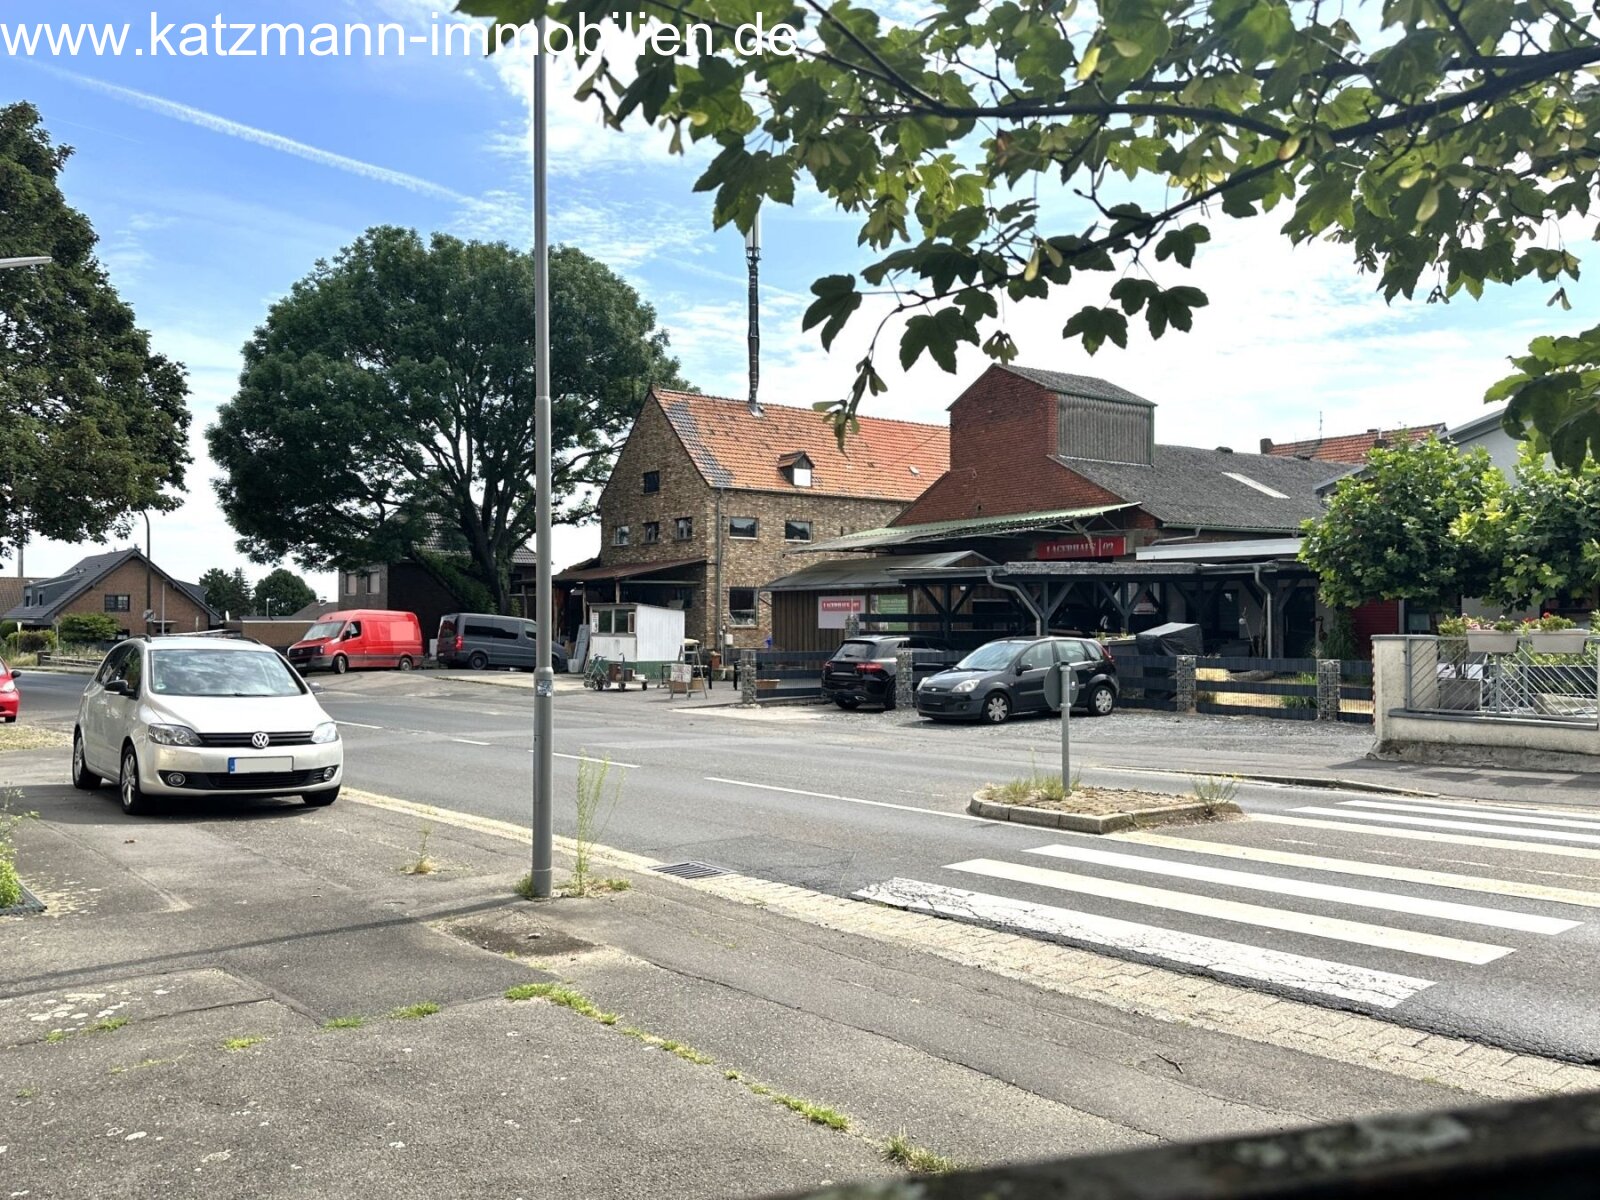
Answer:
(1447, 676)
(789, 674)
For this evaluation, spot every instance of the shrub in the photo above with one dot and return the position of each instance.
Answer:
(7, 628)
(86, 629)
(32, 641)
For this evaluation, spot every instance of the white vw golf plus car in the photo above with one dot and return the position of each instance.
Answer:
(199, 716)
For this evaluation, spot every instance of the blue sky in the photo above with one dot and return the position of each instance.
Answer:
(216, 183)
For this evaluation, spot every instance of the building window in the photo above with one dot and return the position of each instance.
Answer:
(797, 531)
(742, 527)
(652, 482)
(801, 475)
(350, 584)
(683, 528)
(652, 532)
(741, 606)
(118, 602)
(621, 536)
(369, 582)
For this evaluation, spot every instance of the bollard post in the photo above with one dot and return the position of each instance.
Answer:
(747, 676)
(1328, 684)
(905, 682)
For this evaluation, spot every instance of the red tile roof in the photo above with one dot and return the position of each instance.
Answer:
(885, 460)
(1347, 448)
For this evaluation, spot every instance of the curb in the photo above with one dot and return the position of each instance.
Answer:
(1085, 823)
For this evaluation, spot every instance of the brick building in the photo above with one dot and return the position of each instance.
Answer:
(118, 584)
(1053, 468)
(708, 497)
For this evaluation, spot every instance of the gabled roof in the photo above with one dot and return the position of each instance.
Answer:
(1191, 487)
(1477, 427)
(1350, 447)
(11, 590)
(733, 448)
(446, 539)
(52, 595)
(1086, 386)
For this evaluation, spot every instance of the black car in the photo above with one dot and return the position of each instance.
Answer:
(1008, 676)
(863, 669)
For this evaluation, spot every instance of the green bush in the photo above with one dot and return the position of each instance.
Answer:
(86, 629)
(31, 641)
(7, 628)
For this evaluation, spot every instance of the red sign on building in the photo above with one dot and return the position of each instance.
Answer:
(1112, 546)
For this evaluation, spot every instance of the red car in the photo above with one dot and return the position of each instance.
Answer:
(10, 698)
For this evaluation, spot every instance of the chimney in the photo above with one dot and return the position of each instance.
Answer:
(752, 256)
(1266, 445)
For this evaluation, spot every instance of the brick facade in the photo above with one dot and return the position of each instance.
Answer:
(1002, 433)
(654, 446)
(182, 613)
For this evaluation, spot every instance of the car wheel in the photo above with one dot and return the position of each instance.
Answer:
(134, 801)
(83, 779)
(479, 660)
(405, 662)
(320, 799)
(1102, 700)
(848, 703)
(341, 664)
(996, 708)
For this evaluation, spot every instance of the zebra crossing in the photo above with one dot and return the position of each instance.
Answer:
(1355, 925)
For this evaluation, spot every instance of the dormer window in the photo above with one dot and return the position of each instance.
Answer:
(796, 468)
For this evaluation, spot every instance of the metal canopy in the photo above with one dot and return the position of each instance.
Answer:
(883, 572)
(965, 527)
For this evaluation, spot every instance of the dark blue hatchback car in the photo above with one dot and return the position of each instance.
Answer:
(1008, 676)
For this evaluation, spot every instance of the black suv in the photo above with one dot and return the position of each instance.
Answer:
(863, 669)
(1008, 676)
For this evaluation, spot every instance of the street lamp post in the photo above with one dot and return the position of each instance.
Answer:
(148, 611)
(540, 875)
(38, 260)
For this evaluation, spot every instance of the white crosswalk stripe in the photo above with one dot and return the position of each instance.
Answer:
(1358, 816)
(1380, 989)
(1281, 885)
(1482, 813)
(1351, 866)
(1334, 928)
(1424, 835)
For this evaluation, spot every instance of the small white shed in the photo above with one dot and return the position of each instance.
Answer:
(640, 635)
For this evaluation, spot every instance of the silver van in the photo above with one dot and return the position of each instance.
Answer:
(484, 640)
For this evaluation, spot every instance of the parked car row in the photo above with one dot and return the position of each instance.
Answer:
(386, 639)
(993, 682)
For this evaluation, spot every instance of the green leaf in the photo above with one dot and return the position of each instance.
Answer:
(1096, 325)
(837, 299)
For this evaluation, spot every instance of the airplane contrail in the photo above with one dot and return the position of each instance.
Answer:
(261, 137)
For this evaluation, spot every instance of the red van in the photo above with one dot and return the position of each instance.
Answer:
(361, 637)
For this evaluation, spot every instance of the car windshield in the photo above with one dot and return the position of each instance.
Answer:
(322, 629)
(856, 651)
(988, 658)
(220, 673)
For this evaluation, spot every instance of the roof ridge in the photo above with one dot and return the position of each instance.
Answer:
(797, 408)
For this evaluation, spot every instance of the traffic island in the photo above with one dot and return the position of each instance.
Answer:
(1085, 809)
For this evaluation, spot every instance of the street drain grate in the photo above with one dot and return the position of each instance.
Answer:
(691, 870)
(27, 906)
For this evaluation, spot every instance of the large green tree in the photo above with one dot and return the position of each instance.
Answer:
(1542, 538)
(1392, 531)
(284, 592)
(93, 424)
(225, 592)
(1001, 149)
(387, 405)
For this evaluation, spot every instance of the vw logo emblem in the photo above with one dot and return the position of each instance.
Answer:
(260, 741)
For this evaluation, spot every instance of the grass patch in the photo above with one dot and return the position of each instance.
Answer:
(109, 1025)
(1035, 786)
(564, 996)
(351, 1022)
(10, 882)
(242, 1043)
(55, 1037)
(27, 1093)
(589, 886)
(1213, 791)
(902, 1152)
(31, 737)
(421, 864)
(524, 887)
(817, 1114)
(414, 1012)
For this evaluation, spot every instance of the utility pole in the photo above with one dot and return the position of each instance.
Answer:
(544, 684)
(148, 611)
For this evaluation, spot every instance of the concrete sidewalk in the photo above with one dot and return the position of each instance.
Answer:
(164, 1026)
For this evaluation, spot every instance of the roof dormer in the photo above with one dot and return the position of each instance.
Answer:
(796, 467)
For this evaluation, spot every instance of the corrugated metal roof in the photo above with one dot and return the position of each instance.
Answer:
(865, 572)
(905, 535)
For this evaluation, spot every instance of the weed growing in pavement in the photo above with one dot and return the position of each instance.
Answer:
(1213, 791)
(109, 1025)
(564, 996)
(350, 1022)
(27, 1093)
(10, 882)
(55, 1037)
(422, 864)
(414, 1012)
(817, 1114)
(1035, 786)
(903, 1152)
(596, 803)
(242, 1043)
(524, 886)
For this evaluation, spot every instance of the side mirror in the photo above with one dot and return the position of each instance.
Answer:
(16, 674)
(118, 687)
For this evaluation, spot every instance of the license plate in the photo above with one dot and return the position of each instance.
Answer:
(259, 766)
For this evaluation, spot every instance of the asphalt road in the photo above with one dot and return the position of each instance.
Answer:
(1445, 914)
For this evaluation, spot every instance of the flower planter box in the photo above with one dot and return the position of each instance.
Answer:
(1559, 641)
(1492, 641)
